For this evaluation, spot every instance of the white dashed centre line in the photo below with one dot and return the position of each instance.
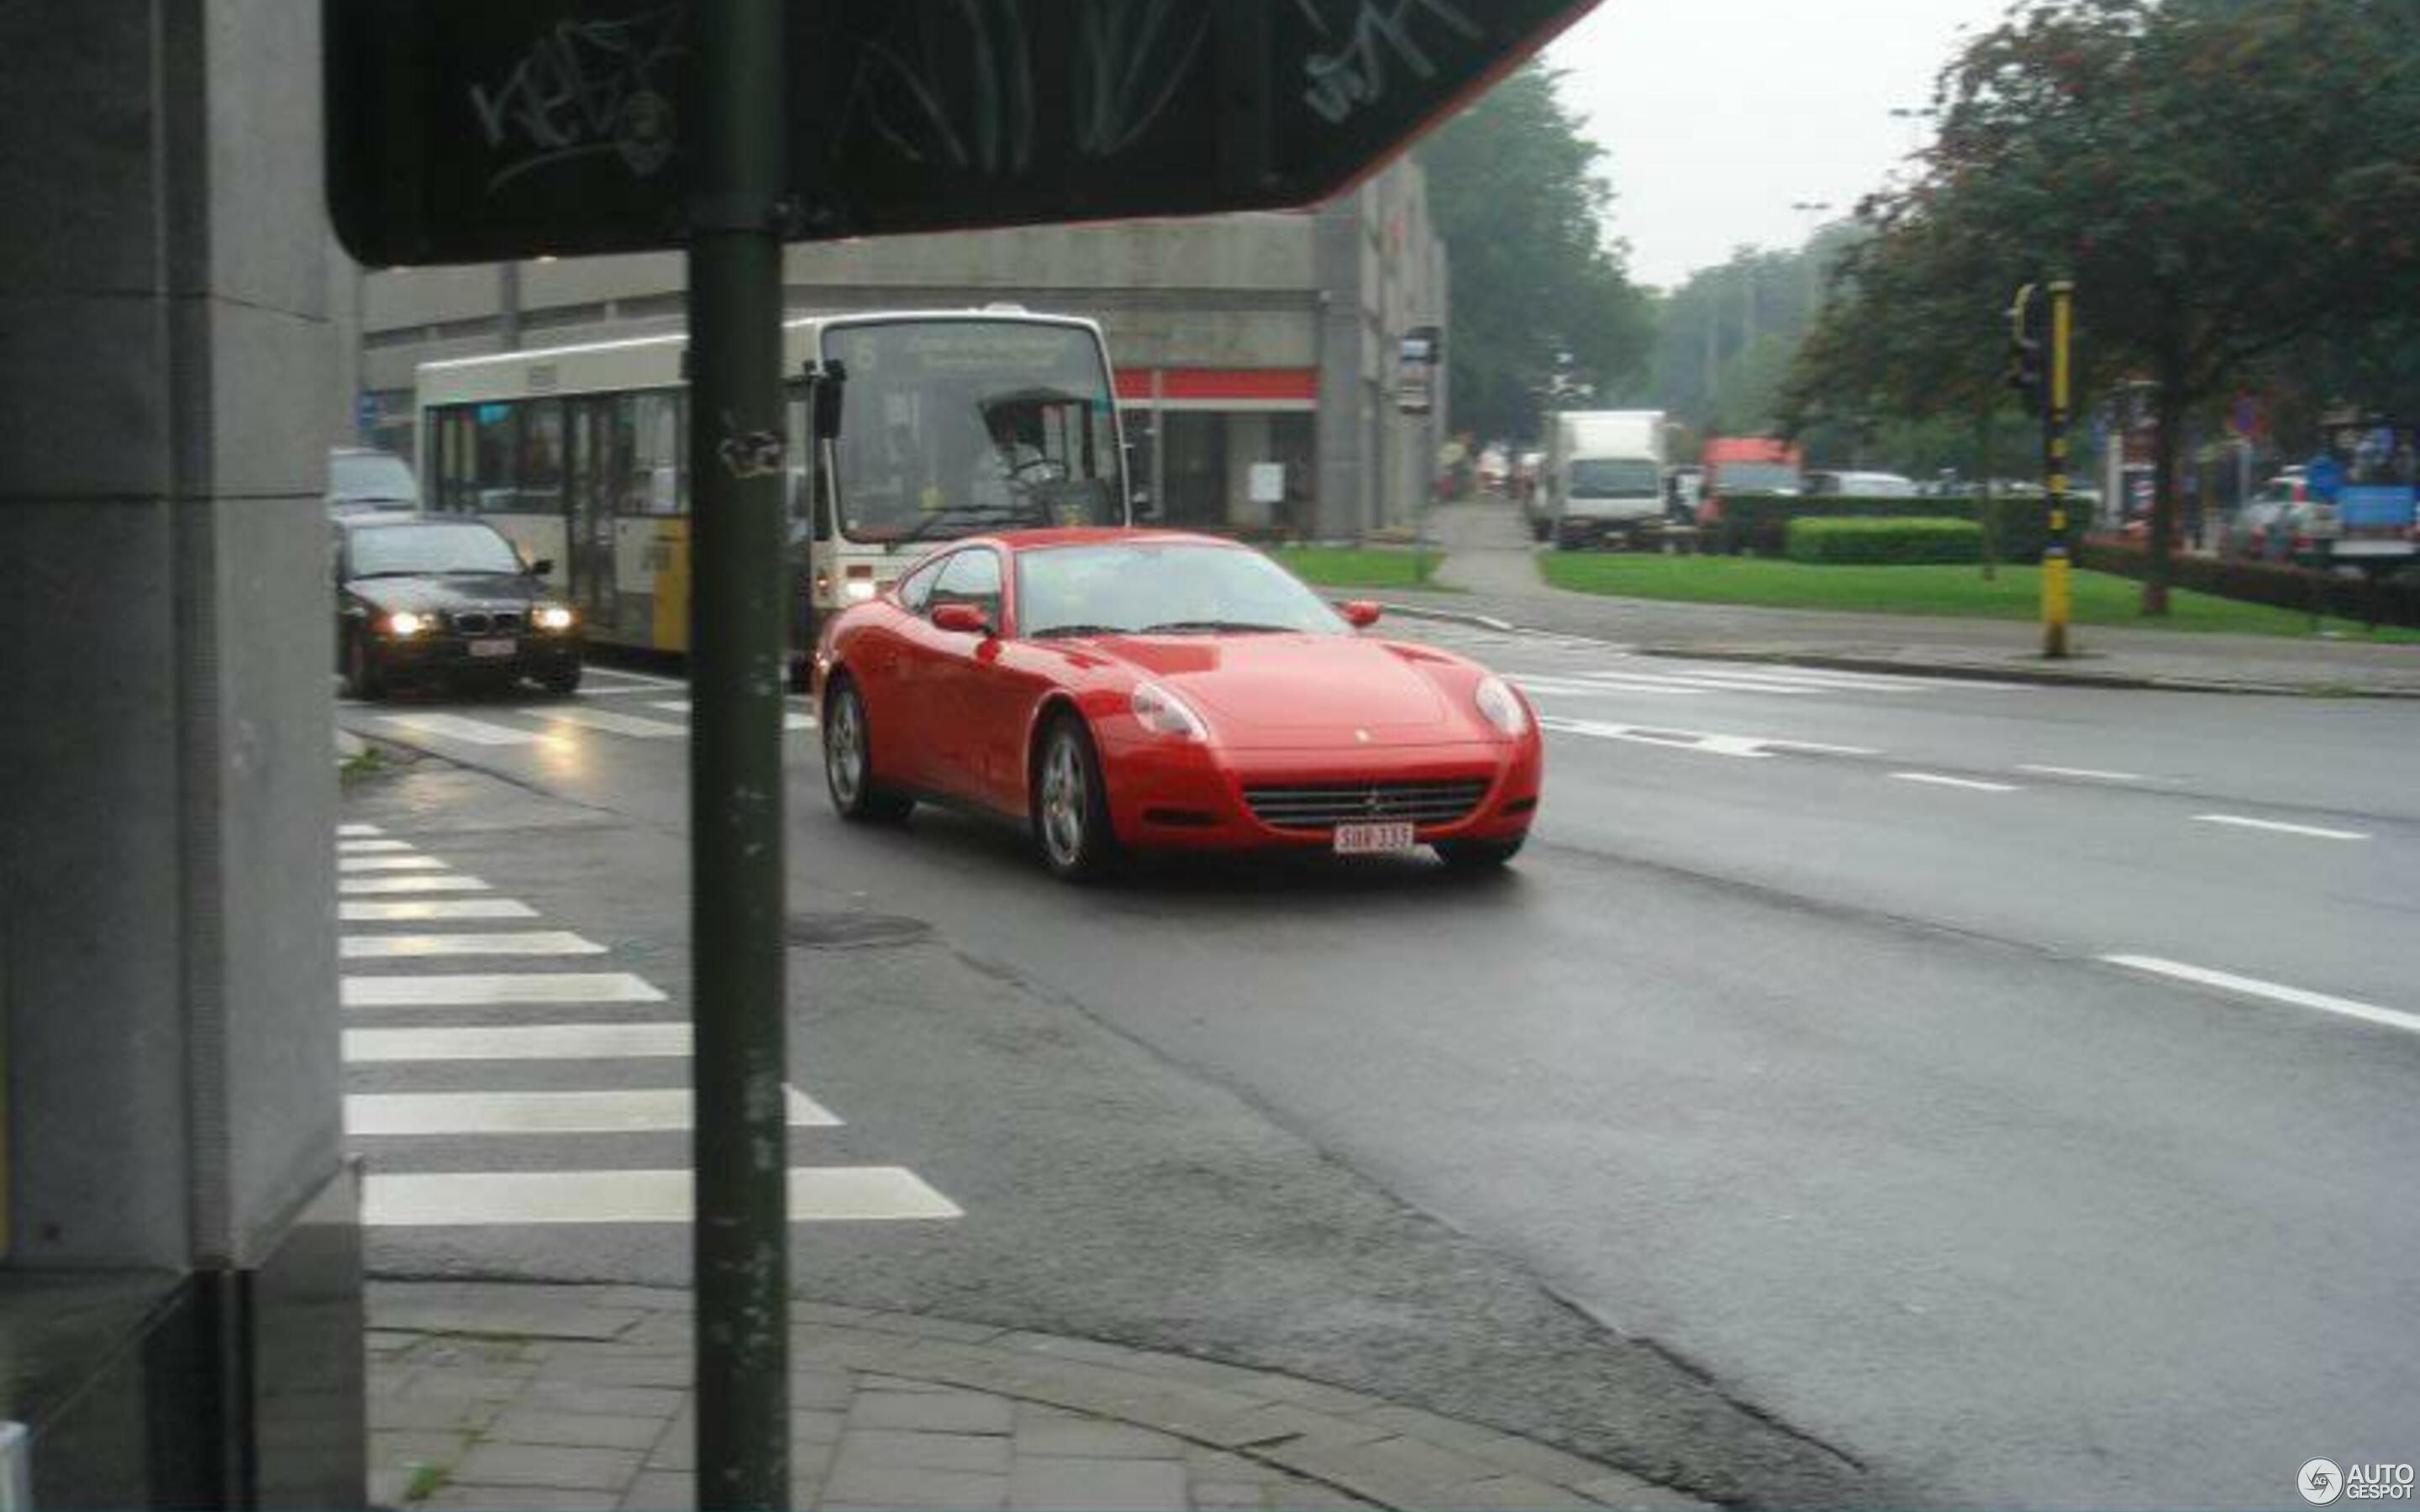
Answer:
(2089, 774)
(2278, 828)
(2253, 987)
(1968, 783)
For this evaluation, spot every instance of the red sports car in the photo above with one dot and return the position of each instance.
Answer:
(1150, 689)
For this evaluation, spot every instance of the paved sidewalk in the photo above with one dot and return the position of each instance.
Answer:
(1492, 563)
(513, 1395)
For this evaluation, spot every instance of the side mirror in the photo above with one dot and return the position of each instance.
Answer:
(1361, 613)
(961, 619)
(541, 567)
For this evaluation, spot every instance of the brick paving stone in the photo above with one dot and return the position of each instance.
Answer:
(1382, 1479)
(507, 1316)
(1223, 1495)
(673, 1370)
(823, 1390)
(813, 1426)
(661, 1491)
(387, 1485)
(593, 1430)
(513, 1499)
(1220, 1465)
(650, 1299)
(939, 1411)
(988, 1453)
(876, 1381)
(1411, 1422)
(416, 1447)
(938, 1328)
(1624, 1490)
(381, 1341)
(1525, 1456)
(618, 1401)
(458, 1386)
(487, 1356)
(1079, 1438)
(525, 1464)
(887, 1486)
(431, 1413)
(1284, 1420)
(1522, 1493)
(1320, 1397)
(1071, 1485)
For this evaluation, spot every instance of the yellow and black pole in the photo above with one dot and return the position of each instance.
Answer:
(2055, 588)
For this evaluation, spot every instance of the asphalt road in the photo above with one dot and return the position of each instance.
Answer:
(2007, 1089)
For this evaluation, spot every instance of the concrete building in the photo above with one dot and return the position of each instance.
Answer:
(1257, 354)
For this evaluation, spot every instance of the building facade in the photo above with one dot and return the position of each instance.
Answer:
(1257, 354)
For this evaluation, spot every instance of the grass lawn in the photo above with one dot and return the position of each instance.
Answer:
(1363, 566)
(2100, 599)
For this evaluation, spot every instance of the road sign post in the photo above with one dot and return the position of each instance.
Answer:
(737, 885)
(2057, 557)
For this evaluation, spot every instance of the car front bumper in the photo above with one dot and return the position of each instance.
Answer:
(1170, 794)
(405, 659)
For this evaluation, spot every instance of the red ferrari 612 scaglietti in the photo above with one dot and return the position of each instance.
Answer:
(1143, 690)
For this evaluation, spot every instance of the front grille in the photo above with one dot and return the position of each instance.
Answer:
(508, 622)
(471, 621)
(1325, 805)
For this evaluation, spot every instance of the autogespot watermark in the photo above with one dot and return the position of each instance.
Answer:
(2320, 1482)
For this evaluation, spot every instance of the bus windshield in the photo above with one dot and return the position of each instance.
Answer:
(957, 427)
(1759, 477)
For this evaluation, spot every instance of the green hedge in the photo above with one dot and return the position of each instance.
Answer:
(1761, 522)
(1884, 542)
(2390, 601)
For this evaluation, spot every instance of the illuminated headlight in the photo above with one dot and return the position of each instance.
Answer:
(404, 622)
(858, 590)
(1163, 712)
(1501, 706)
(553, 617)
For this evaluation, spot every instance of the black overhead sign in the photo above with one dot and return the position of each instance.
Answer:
(472, 131)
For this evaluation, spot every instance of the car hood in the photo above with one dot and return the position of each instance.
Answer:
(1277, 691)
(441, 591)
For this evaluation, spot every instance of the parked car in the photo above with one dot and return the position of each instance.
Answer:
(445, 598)
(1114, 690)
(1860, 486)
(361, 481)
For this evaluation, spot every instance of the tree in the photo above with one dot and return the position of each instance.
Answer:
(1517, 196)
(1718, 334)
(2223, 178)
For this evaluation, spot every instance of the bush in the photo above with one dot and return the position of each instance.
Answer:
(1887, 542)
(1761, 522)
(2385, 601)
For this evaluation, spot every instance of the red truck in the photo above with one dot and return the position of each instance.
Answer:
(1746, 464)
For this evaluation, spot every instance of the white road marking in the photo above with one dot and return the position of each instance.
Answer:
(354, 831)
(619, 724)
(429, 910)
(2089, 774)
(1575, 687)
(620, 674)
(372, 847)
(2275, 827)
(2227, 980)
(818, 1194)
(455, 883)
(469, 731)
(790, 721)
(481, 991)
(521, 1042)
(1750, 747)
(400, 947)
(1796, 682)
(625, 691)
(1936, 779)
(389, 863)
(651, 1110)
(674, 705)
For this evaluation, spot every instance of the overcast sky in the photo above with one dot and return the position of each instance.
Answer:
(1719, 115)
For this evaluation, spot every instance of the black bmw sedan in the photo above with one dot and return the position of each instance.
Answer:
(429, 597)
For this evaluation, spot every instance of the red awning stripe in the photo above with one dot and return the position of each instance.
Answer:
(1234, 385)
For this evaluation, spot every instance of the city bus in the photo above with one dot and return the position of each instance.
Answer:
(952, 424)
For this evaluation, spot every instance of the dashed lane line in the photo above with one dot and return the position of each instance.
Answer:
(2272, 992)
(431, 910)
(646, 1110)
(1968, 783)
(2277, 826)
(1750, 747)
(486, 991)
(422, 947)
(818, 1194)
(2087, 774)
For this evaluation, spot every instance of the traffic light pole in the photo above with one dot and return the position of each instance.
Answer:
(741, 1231)
(2057, 591)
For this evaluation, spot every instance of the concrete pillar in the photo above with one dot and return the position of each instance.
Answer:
(176, 1182)
(1344, 356)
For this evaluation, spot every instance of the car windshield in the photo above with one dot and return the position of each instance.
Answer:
(396, 551)
(957, 426)
(1168, 587)
(367, 475)
(1759, 477)
(1608, 478)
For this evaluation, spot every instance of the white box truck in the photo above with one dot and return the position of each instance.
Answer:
(1604, 476)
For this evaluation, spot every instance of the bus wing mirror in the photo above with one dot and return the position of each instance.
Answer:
(542, 567)
(829, 385)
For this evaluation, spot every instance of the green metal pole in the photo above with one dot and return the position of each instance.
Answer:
(2057, 600)
(740, 1236)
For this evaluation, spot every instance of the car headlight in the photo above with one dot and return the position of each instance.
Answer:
(1501, 706)
(1163, 712)
(403, 622)
(553, 617)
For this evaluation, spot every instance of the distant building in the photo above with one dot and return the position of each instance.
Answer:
(1245, 343)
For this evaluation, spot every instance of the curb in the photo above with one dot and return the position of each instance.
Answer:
(1448, 616)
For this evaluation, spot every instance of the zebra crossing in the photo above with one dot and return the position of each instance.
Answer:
(629, 705)
(1568, 667)
(418, 994)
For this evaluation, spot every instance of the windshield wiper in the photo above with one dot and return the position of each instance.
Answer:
(1216, 627)
(963, 513)
(1054, 631)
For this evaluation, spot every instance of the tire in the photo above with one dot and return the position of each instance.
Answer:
(848, 768)
(1479, 855)
(363, 678)
(1070, 805)
(563, 681)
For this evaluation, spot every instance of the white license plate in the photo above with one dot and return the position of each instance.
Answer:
(1373, 840)
(494, 648)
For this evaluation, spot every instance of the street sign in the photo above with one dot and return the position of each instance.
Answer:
(477, 130)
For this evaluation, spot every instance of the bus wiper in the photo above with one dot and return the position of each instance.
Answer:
(1054, 631)
(962, 515)
(1216, 627)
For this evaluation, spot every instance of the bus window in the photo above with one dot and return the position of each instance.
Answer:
(655, 482)
(541, 490)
